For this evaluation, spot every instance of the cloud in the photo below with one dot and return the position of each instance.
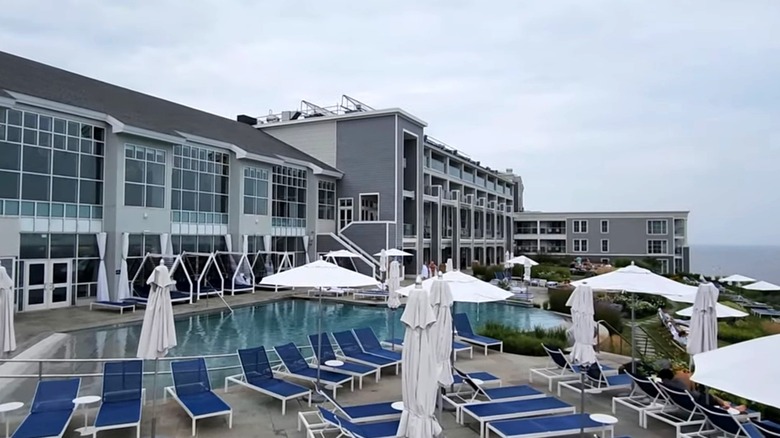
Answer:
(599, 105)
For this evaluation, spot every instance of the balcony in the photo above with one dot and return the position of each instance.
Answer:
(409, 230)
(528, 249)
(427, 232)
(525, 230)
(552, 230)
(552, 250)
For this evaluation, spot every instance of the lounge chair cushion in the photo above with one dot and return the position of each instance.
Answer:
(280, 387)
(511, 391)
(516, 407)
(43, 424)
(529, 426)
(203, 403)
(479, 375)
(370, 410)
(116, 413)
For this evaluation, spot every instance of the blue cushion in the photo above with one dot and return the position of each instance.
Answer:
(528, 426)
(619, 380)
(43, 424)
(481, 375)
(356, 368)
(325, 376)
(482, 339)
(280, 387)
(370, 410)
(511, 391)
(116, 413)
(203, 403)
(516, 407)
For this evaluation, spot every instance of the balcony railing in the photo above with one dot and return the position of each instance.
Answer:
(552, 230)
(528, 249)
(527, 231)
(553, 250)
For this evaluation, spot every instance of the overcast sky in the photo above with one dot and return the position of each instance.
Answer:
(599, 105)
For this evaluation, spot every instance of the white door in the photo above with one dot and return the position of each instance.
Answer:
(345, 216)
(47, 284)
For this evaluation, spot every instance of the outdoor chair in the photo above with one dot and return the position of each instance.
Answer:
(192, 391)
(123, 397)
(51, 410)
(466, 333)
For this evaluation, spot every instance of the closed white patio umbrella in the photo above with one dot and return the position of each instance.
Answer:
(102, 280)
(763, 286)
(582, 330)
(393, 300)
(441, 300)
(7, 332)
(703, 334)
(158, 333)
(383, 263)
(419, 369)
(747, 369)
(720, 310)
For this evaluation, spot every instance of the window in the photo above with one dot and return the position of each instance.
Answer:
(326, 200)
(580, 226)
(369, 207)
(81, 249)
(604, 245)
(255, 191)
(663, 266)
(580, 245)
(604, 226)
(49, 166)
(657, 247)
(657, 226)
(289, 197)
(345, 212)
(201, 243)
(144, 176)
(604, 261)
(199, 185)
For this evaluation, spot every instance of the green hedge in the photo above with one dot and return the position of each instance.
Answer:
(603, 310)
(526, 343)
(739, 331)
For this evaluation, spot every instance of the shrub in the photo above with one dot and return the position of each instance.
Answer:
(527, 343)
(558, 298)
(550, 273)
(478, 270)
(738, 332)
(609, 314)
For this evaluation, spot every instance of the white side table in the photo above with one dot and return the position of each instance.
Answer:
(398, 406)
(334, 363)
(606, 420)
(8, 407)
(84, 401)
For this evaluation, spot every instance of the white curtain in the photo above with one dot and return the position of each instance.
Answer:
(164, 243)
(229, 242)
(306, 247)
(267, 243)
(123, 288)
(102, 280)
(245, 244)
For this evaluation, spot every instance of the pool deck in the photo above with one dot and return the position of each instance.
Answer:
(258, 416)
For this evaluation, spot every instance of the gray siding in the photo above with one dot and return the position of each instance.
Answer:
(418, 161)
(367, 155)
(626, 235)
(316, 139)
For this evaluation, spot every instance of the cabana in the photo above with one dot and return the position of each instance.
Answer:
(265, 263)
(236, 272)
(198, 274)
(139, 290)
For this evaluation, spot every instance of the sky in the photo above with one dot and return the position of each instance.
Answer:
(599, 105)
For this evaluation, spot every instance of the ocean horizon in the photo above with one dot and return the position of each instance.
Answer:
(761, 262)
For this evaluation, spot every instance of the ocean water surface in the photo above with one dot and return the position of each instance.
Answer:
(759, 262)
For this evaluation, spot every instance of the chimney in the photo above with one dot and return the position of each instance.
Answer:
(243, 118)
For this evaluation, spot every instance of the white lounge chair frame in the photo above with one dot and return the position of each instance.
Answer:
(641, 403)
(242, 267)
(211, 263)
(136, 425)
(240, 379)
(155, 261)
(554, 374)
(287, 262)
(109, 306)
(605, 428)
(464, 411)
(310, 360)
(171, 390)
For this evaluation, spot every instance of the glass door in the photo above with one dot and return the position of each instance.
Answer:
(47, 284)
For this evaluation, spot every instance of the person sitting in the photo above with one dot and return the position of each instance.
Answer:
(681, 381)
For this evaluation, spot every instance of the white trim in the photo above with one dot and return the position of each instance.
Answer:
(562, 216)
(360, 206)
(601, 226)
(666, 245)
(601, 245)
(339, 208)
(355, 115)
(666, 226)
(663, 264)
(579, 222)
(580, 241)
(51, 105)
(395, 176)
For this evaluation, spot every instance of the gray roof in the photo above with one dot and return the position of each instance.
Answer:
(137, 109)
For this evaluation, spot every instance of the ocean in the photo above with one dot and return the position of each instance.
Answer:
(759, 262)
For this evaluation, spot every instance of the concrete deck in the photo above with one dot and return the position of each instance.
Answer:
(258, 416)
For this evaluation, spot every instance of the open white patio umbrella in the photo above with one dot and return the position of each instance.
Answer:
(703, 334)
(720, 310)
(7, 333)
(343, 253)
(393, 300)
(522, 260)
(747, 369)
(441, 300)
(763, 286)
(419, 369)
(393, 252)
(319, 274)
(158, 333)
(737, 278)
(464, 288)
(582, 330)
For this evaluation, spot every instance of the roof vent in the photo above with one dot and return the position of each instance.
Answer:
(243, 118)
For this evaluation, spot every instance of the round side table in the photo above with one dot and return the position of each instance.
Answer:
(605, 420)
(334, 363)
(398, 406)
(8, 407)
(83, 402)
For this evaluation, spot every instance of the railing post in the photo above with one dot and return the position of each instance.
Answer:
(40, 370)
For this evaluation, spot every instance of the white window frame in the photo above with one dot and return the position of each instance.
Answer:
(601, 226)
(665, 227)
(663, 265)
(664, 245)
(604, 260)
(601, 246)
(360, 206)
(579, 229)
(579, 243)
(339, 209)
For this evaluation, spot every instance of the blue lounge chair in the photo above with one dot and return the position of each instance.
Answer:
(484, 376)
(192, 390)
(297, 367)
(257, 375)
(458, 347)
(644, 397)
(349, 346)
(385, 429)
(479, 394)
(559, 368)
(51, 410)
(364, 413)
(466, 333)
(123, 397)
(371, 344)
(505, 410)
(326, 353)
(555, 425)
(112, 305)
(680, 411)
(726, 423)
(597, 382)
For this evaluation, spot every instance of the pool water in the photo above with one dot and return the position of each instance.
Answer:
(287, 321)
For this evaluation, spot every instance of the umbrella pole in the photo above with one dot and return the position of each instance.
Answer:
(154, 399)
(582, 401)
(633, 333)
(316, 397)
